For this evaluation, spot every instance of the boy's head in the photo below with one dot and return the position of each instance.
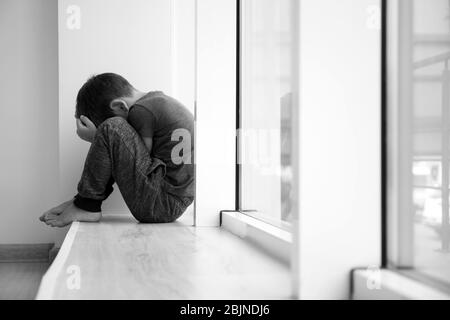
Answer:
(100, 97)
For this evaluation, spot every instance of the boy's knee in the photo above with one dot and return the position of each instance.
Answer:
(113, 123)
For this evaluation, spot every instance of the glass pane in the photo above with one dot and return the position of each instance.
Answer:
(268, 81)
(424, 134)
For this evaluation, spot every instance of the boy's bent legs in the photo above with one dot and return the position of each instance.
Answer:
(119, 154)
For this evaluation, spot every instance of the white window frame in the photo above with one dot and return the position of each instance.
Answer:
(399, 221)
(275, 241)
(312, 258)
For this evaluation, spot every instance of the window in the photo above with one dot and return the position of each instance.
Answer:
(418, 50)
(267, 105)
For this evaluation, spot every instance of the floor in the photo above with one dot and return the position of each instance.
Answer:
(20, 280)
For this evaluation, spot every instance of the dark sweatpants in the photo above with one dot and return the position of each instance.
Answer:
(118, 154)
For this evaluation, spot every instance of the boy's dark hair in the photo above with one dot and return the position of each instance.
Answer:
(95, 96)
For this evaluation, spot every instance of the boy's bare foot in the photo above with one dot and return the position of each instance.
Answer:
(56, 210)
(66, 213)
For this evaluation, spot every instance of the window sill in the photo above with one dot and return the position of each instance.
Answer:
(118, 258)
(273, 240)
(391, 285)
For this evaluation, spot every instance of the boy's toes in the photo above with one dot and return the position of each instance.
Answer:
(56, 223)
(49, 222)
(50, 216)
(44, 216)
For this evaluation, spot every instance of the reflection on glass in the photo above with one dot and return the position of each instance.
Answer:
(430, 115)
(267, 85)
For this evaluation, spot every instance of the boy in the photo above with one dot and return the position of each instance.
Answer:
(136, 143)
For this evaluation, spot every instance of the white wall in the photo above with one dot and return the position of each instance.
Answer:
(131, 38)
(216, 109)
(339, 145)
(29, 113)
(183, 52)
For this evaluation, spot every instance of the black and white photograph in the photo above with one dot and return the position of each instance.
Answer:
(230, 156)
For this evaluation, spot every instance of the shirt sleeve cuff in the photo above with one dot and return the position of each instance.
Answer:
(86, 204)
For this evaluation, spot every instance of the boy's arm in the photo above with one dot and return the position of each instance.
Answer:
(148, 143)
(143, 121)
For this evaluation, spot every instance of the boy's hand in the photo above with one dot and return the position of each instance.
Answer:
(86, 129)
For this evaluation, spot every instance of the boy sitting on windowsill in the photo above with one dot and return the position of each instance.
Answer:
(136, 143)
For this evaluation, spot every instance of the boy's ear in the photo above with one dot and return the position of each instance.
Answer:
(119, 107)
